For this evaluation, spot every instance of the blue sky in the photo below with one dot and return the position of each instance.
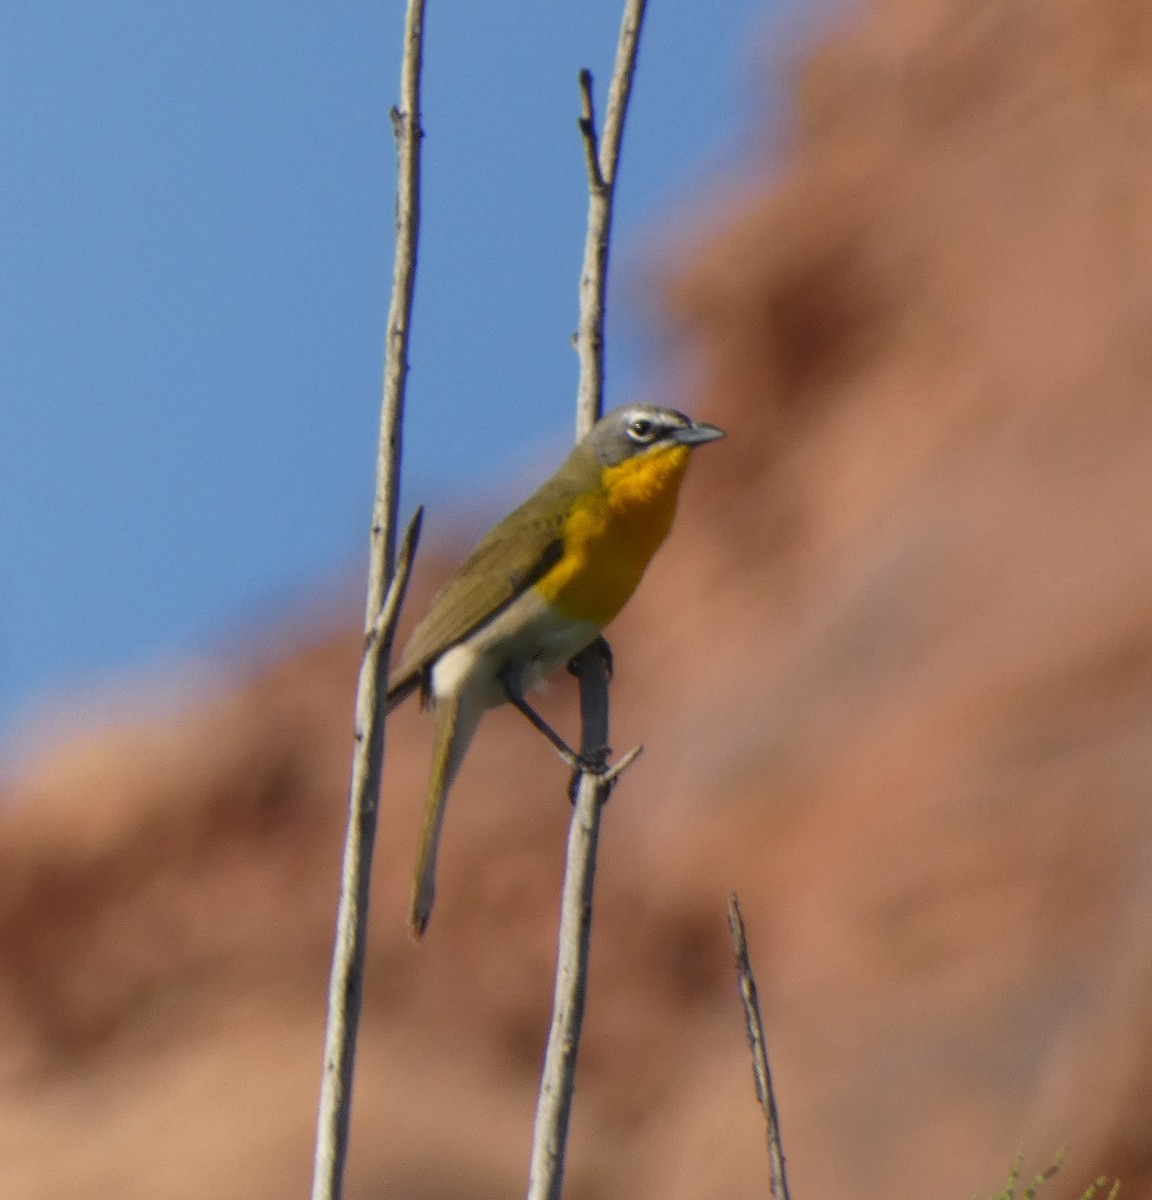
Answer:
(196, 230)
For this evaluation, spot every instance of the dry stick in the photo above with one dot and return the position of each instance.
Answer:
(387, 581)
(602, 157)
(553, 1108)
(554, 1105)
(756, 1043)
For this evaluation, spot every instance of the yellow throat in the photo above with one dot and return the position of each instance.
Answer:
(612, 533)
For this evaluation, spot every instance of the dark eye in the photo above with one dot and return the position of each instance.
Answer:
(640, 430)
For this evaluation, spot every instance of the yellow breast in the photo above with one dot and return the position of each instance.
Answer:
(612, 533)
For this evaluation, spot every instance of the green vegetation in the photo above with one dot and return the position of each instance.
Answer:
(1011, 1188)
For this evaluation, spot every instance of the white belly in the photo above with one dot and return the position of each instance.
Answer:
(528, 639)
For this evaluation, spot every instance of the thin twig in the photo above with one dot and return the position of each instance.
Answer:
(759, 1048)
(588, 135)
(387, 582)
(546, 1173)
(621, 765)
(553, 1108)
(602, 157)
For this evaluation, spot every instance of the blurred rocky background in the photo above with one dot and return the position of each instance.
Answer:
(893, 674)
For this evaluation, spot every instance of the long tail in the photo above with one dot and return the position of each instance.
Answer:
(456, 721)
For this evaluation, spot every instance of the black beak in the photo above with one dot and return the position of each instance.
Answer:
(698, 433)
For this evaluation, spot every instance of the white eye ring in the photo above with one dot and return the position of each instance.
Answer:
(641, 430)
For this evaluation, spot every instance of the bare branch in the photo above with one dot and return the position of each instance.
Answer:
(593, 666)
(587, 127)
(617, 769)
(620, 90)
(409, 135)
(385, 624)
(756, 1043)
(553, 1108)
(594, 272)
(387, 583)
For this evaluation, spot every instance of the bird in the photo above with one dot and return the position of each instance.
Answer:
(537, 590)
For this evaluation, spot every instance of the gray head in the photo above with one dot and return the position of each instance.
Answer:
(640, 428)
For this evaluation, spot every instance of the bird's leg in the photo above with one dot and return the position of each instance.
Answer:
(599, 646)
(558, 743)
(596, 761)
(516, 699)
(596, 653)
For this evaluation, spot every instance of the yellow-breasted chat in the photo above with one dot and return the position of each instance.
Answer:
(538, 589)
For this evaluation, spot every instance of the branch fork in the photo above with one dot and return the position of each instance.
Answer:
(587, 127)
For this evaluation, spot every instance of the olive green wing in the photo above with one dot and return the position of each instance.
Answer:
(509, 559)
